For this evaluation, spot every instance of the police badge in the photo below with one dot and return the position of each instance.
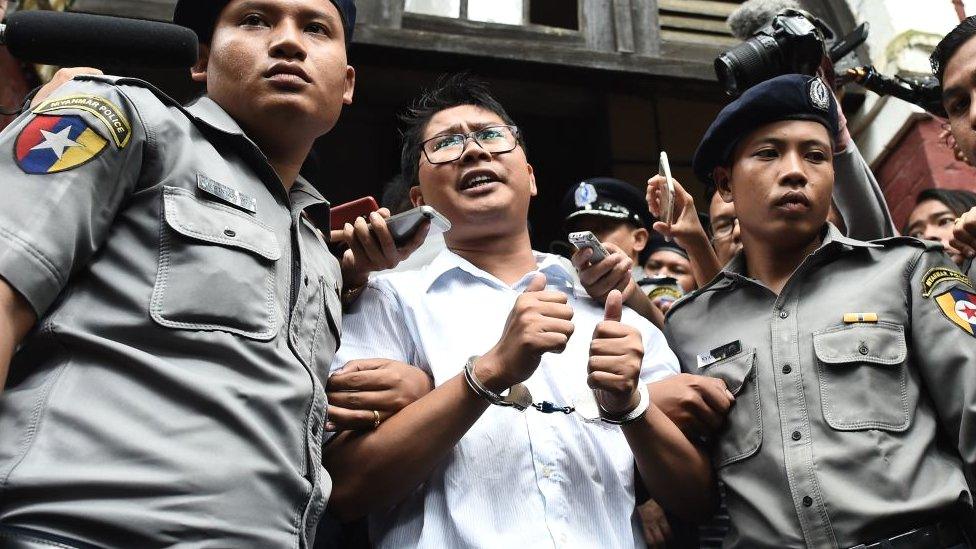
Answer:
(585, 195)
(819, 94)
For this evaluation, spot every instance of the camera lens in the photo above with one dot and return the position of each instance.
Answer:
(751, 62)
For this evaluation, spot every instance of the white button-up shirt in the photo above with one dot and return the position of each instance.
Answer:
(516, 479)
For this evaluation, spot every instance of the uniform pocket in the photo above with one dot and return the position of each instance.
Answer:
(741, 436)
(863, 377)
(216, 269)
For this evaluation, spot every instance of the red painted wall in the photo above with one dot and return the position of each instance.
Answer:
(918, 161)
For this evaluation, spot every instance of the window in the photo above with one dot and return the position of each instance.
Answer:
(550, 13)
(697, 21)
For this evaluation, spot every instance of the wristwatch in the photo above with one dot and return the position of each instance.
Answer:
(633, 415)
(518, 396)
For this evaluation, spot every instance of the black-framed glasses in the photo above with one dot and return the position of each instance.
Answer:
(724, 228)
(442, 149)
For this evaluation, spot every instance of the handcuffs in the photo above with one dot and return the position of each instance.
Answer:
(520, 398)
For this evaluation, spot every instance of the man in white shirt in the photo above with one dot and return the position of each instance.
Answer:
(489, 314)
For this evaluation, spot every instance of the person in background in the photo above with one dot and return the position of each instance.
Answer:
(935, 215)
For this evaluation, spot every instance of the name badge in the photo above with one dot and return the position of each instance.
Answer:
(719, 353)
(227, 194)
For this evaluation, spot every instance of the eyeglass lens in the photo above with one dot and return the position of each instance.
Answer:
(448, 148)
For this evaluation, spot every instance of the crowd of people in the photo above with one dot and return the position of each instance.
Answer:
(188, 360)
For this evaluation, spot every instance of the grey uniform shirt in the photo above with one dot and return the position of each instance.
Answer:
(855, 392)
(172, 390)
(859, 197)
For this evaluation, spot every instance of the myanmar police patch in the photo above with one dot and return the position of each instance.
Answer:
(959, 306)
(52, 144)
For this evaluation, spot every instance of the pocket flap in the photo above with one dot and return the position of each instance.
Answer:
(218, 224)
(733, 371)
(881, 343)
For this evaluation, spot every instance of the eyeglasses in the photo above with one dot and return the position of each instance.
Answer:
(724, 228)
(442, 149)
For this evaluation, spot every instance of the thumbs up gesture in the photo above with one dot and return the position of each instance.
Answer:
(540, 322)
(616, 353)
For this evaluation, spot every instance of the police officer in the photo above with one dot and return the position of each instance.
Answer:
(182, 309)
(852, 363)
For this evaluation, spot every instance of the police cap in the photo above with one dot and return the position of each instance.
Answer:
(606, 197)
(201, 16)
(786, 97)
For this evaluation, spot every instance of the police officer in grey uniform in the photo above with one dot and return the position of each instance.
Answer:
(853, 364)
(170, 392)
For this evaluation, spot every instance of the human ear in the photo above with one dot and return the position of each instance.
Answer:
(416, 196)
(722, 176)
(198, 72)
(641, 236)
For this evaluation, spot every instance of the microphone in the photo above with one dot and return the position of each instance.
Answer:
(70, 39)
(756, 14)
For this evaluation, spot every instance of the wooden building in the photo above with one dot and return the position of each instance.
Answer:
(599, 87)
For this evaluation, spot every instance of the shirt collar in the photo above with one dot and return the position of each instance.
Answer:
(447, 261)
(207, 111)
(833, 242)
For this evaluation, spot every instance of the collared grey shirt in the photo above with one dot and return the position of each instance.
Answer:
(859, 198)
(172, 390)
(855, 392)
(970, 268)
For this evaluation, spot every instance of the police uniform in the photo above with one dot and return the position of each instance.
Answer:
(172, 391)
(855, 388)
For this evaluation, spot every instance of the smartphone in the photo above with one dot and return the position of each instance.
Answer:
(404, 225)
(348, 212)
(586, 239)
(667, 197)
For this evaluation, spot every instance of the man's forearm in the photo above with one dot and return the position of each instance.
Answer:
(642, 305)
(16, 319)
(379, 468)
(675, 472)
(704, 263)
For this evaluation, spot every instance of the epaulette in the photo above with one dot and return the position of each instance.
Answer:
(688, 298)
(909, 241)
(129, 81)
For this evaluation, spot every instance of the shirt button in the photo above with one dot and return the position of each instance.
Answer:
(863, 349)
(797, 435)
(784, 314)
(807, 501)
(230, 233)
(787, 368)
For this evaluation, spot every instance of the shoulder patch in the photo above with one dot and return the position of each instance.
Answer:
(942, 274)
(105, 111)
(959, 306)
(52, 144)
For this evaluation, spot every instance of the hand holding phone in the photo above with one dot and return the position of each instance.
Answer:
(586, 239)
(667, 193)
(348, 212)
(406, 224)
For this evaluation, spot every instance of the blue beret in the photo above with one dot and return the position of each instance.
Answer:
(201, 16)
(787, 97)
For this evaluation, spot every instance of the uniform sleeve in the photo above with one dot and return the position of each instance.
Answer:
(374, 329)
(68, 165)
(659, 360)
(971, 271)
(859, 198)
(943, 341)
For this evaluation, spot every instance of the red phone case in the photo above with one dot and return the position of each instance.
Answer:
(348, 212)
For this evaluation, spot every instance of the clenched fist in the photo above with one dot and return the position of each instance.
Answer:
(540, 322)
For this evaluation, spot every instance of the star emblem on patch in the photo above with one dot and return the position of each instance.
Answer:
(959, 306)
(52, 144)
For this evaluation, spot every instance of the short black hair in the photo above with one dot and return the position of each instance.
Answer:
(957, 200)
(450, 90)
(949, 45)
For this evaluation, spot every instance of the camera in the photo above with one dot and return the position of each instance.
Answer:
(793, 42)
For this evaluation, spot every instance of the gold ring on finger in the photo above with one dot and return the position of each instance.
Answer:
(376, 419)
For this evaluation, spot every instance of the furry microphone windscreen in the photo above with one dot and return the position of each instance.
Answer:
(756, 14)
